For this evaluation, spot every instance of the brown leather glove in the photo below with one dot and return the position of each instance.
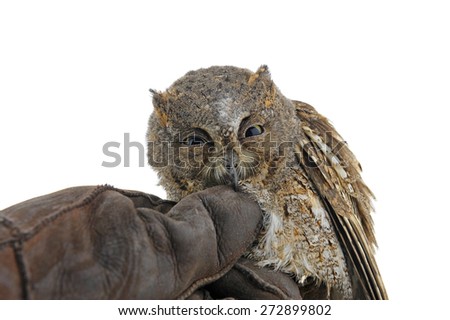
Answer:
(247, 281)
(106, 243)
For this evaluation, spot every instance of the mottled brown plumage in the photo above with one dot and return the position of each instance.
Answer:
(226, 125)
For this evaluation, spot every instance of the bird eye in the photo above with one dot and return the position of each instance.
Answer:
(254, 131)
(194, 141)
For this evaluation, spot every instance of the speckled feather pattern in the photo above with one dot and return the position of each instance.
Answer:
(317, 209)
(298, 236)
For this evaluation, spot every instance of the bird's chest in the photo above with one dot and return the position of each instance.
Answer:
(298, 236)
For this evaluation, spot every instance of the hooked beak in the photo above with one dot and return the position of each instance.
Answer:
(231, 164)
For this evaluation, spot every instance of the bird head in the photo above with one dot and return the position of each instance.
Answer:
(220, 125)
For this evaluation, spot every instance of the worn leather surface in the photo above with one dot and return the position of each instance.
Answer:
(106, 243)
(248, 281)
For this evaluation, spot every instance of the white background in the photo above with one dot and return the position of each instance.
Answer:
(75, 75)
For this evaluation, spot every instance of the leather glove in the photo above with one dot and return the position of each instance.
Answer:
(107, 243)
(101, 242)
(247, 281)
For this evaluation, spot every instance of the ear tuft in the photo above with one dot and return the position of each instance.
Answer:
(262, 72)
(160, 100)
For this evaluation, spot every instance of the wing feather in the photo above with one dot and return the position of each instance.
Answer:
(334, 172)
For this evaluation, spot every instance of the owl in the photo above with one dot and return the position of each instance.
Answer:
(225, 125)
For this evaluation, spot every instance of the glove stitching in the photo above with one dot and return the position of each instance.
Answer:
(220, 255)
(260, 282)
(137, 194)
(19, 237)
(25, 280)
(204, 281)
(17, 244)
(75, 205)
(176, 270)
